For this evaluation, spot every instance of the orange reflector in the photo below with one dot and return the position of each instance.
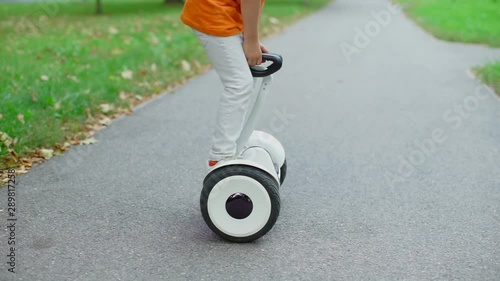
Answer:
(212, 163)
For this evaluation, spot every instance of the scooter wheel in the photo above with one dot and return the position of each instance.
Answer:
(240, 203)
(283, 172)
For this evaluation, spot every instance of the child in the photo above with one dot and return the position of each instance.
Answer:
(229, 32)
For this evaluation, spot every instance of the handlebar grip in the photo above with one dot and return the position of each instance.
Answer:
(277, 62)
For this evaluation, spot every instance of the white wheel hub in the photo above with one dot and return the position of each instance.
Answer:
(219, 215)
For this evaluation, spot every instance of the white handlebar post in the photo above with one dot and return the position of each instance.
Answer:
(254, 115)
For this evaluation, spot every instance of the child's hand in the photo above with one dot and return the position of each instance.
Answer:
(264, 49)
(253, 52)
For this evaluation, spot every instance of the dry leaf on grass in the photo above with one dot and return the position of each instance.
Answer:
(106, 107)
(123, 96)
(197, 65)
(44, 78)
(72, 77)
(21, 170)
(153, 67)
(20, 117)
(116, 51)
(47, 153)
(185, 65)
(112, 30)
(154, 40)
(105, 120)
(3, 136)
(7, 142)
(88, 141)
(127, 74)
(1, 116)
(274, 20)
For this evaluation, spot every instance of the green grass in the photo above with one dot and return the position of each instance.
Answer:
(59, 62)
(490, 74)
(468, 21)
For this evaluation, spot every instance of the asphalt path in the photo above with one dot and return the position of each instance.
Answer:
(393, 152)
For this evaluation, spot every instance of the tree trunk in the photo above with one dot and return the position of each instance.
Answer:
(98, 9)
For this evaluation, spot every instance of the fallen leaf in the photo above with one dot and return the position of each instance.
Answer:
(154, 40)
(72, 77)
(123, 96)
(138, 97)
(13, 153)
(185, 65)
(3, 136)
(26, 161)
(21, 118)
(37, 160)
(88, 141)
(116, 51)
(153, 67)
(112, 30)
(1, 116)
(274, 20)
(7, 142)
(127, 111)
(106, 107)
(105, 120)
(21, 170)
(127, 74)
(47, 153)
(57, 105)
(197, 64)
(44, 78)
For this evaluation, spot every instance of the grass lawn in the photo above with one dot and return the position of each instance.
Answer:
(469, 21)
(66, 72)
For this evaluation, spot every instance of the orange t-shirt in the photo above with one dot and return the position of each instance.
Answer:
(214, 17)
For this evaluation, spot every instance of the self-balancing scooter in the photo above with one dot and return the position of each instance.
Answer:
(240, 199)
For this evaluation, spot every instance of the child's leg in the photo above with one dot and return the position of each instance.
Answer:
(228, 59)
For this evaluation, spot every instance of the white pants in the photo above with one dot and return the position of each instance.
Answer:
(228, 59)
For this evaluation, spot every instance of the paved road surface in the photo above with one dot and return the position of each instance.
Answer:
(362, 201)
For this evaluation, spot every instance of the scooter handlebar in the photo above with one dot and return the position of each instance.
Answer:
(277, 62)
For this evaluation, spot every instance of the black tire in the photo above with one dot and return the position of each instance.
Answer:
(283, 172)
(267, 181)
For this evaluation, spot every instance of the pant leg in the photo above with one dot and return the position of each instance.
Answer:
(228, 59)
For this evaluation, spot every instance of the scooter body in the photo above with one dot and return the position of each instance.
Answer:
(240, 199)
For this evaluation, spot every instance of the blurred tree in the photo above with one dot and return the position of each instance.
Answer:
(98, 9)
